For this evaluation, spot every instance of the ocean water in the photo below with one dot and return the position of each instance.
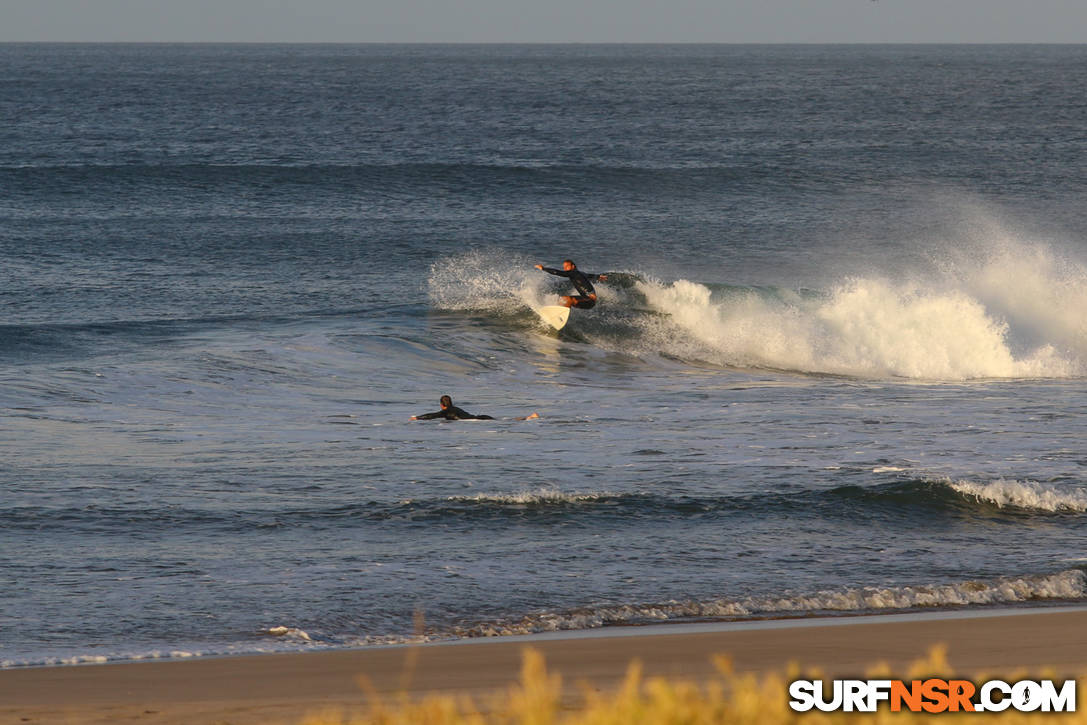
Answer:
(838, 365)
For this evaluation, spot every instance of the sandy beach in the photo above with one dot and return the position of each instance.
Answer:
(283, 688)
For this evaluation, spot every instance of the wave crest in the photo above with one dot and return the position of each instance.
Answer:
(542, 496)
(1010, 311)
(1028, 495)
(863, 328)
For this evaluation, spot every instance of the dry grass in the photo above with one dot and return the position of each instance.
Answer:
(730, 697)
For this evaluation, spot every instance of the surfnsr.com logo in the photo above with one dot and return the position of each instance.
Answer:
(932, 695)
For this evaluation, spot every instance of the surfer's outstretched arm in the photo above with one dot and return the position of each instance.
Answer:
(552, 270)
(572, 273)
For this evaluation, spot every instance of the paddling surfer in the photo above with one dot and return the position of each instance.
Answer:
(452, 412)
(586, 297)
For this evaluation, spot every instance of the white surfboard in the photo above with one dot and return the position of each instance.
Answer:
(554, 315)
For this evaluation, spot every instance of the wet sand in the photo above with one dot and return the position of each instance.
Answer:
(283, 688)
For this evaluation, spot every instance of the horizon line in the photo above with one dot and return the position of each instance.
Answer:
(541, 42)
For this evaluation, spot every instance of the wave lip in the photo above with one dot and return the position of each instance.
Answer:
(1026, 495)
(1008, 496)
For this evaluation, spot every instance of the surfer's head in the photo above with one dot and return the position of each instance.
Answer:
(446, 402)
(568, 264)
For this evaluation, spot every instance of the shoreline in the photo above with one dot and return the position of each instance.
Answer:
(765, 623)
(605, 632)
(285, 687)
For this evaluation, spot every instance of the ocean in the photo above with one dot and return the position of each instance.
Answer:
(838, 365)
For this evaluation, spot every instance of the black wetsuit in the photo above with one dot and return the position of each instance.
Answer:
(587, 296)
(453, 413)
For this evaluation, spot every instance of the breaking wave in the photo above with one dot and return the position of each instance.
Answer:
(1011, 313)
(893, 500)
(1005, 496)
(1025, 495)
(864, 328)
(1066, 585)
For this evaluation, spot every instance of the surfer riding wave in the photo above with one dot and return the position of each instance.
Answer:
(586, 297)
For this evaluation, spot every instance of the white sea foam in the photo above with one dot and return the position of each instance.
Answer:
(523, 498)
(1038, 290)
(83, 660)
(487, 281)
(1024, 495)
(538, 496)
(289, 633)
(1069, 584)
(870, 327)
